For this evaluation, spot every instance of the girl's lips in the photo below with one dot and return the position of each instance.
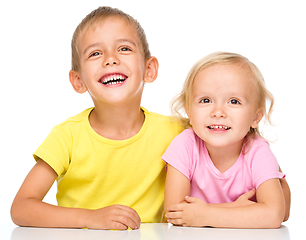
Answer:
(218, 127)
(112, 79)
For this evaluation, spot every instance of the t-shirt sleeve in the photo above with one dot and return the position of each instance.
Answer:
(55, 150)
(179, 153)
(264, 164)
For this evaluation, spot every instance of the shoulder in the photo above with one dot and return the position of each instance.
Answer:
(165, 123)
(260, 153)
(77, 118)
(180, 153)
(184, 141)
(187, 135)
(257, 144)
(73, 124)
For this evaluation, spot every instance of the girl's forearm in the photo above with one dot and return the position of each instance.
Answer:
(257, 215)
(287, 197)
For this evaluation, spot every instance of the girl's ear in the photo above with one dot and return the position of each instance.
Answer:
(259, 115)
(188, 114)
(76, 82)
(151, 70)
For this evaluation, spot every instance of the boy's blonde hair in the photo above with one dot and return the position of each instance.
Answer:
(181, 103)
(101, 14)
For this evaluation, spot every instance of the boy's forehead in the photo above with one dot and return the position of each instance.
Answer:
(112, 26)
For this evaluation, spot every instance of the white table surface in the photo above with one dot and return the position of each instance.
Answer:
(147, 231)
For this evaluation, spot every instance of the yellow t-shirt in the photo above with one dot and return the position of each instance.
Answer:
(94, 172)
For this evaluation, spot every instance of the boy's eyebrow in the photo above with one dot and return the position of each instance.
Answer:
(127, 40)
(90, 46)
(119, 40)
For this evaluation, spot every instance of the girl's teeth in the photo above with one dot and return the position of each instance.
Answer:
(219, 127)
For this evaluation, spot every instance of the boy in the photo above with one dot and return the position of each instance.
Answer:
(107, 159)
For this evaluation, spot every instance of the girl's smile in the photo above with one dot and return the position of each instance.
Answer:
(224, 106)
(218, 128)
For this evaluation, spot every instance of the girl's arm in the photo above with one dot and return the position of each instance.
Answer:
(287, 196)
(268, 212)
(28, 209)
(177, 187)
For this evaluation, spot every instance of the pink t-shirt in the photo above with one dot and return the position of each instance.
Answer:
(188, 154)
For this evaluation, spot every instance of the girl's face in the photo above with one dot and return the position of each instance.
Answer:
(224, 105)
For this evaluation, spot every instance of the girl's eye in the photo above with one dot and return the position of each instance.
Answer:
(124, 49)
(205, 100)
(234, 101)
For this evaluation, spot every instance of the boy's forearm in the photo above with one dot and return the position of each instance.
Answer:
(34, 213)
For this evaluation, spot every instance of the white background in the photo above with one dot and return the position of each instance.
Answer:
(35, 61)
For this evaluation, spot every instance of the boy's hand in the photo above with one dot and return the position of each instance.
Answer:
(113, 217)
(188, 214)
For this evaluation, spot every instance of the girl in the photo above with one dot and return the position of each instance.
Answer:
(222, 159)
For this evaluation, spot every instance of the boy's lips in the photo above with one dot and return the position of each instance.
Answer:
(217, 127)
(113, 79)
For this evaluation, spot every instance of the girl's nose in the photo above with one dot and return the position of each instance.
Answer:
(218, 112)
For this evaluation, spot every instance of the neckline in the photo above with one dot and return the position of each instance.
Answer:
(216, 171)
(118, 143)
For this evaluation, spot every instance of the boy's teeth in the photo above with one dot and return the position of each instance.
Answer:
(113, 79)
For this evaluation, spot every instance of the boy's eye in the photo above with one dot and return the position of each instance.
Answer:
(234, 101)
(94, 54)
(205, 100)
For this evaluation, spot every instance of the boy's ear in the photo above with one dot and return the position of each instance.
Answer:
(76, 82)
(259, 115)
(151, 70)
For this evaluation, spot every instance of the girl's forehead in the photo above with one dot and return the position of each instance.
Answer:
(224, 78)
(225, 74)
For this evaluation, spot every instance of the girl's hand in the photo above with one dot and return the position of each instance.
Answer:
(244, 199)
(191, 213)
(194, 212)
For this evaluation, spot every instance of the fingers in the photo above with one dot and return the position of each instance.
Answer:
(177, 207)
(175, 218)
(113, 217)
(249, 194)
(190, 199)
(127, 216)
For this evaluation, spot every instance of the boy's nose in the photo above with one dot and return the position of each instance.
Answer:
(110, 60)
(111, 63)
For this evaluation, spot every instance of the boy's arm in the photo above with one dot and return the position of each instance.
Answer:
(28, 209)
(268, 212)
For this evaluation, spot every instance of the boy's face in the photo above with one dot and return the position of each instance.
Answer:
(112, 63)
(224, 105)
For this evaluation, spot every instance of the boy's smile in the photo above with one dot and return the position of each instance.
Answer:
(112, 62)
(113, 79)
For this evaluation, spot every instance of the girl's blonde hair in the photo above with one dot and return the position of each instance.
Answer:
(94, 17)
(181, 103)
